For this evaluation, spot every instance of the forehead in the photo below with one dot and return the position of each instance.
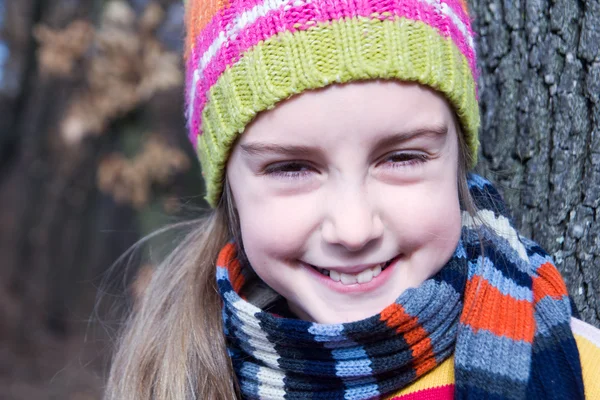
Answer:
(363, 110)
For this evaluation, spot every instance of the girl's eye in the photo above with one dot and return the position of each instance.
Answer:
(405, 159)
(289, 170)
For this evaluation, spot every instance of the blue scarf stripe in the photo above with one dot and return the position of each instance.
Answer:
(444, 346)
(226, 322)
(486, 345)
(428, 305)
(477, 181)
(534, 249)
(538, 259)
(298, 330)
(501, 246)
(348, 353)
(454, 273)
(386, 362)
(392, 382)
(248, 332)
(223, 275)
(486, 196)
(551, 355)
(351, 361)
(355, 331)
(324, 332)
(353, 368)
(561, 334)
(439, 341)
(299, 383)
(479, 385)
(249, 386)
(359, 393)
(481, 198)
(508, 266)
(349, 350)
(548, 322)
(440, 319)
(301, 361)
(499, 280)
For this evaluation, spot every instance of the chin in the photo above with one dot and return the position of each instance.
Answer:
(333, 316)
(349, 317)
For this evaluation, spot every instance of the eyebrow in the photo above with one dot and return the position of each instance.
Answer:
(401, 137)
(288, 150)
(259, 148)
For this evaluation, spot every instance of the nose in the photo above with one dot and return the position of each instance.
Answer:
(352, 221)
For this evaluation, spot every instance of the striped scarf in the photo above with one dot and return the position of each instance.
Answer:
(504, 314)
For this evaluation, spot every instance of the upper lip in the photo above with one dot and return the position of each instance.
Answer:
(351, 269)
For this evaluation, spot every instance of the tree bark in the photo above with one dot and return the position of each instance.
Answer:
(540, 102)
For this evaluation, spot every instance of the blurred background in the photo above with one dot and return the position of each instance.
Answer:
(94, 156)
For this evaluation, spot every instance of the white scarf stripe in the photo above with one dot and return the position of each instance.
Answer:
(264, 349)
(501, 226)
(275, 389)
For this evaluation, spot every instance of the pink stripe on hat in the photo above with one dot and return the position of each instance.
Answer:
(304, 17)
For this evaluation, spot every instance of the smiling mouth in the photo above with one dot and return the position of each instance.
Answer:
(364, 276)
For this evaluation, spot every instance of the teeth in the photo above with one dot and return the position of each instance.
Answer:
(348, 279)
(376, 270)
(365, 276)
(334, 275)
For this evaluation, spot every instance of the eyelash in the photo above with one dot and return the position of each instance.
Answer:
(278, 170)
(408, 159)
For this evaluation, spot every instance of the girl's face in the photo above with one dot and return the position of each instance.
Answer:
(347, 196)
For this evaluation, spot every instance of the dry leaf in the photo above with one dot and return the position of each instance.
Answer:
(131, 181)
(126, 68)
(60, 49)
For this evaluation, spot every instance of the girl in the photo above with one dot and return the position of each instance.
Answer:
(349, 254)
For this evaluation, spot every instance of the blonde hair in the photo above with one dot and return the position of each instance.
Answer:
(173, 346)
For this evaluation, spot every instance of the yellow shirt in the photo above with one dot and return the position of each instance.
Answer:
(439, 383)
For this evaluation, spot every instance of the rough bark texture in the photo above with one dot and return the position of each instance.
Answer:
(540, 100)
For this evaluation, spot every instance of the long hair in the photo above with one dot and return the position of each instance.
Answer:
(173, 346)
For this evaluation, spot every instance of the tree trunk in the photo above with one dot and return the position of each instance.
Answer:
(540, 101)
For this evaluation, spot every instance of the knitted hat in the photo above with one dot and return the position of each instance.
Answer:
(245, 56)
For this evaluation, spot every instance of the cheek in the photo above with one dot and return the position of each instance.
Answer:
(428, 217)
(277, 229)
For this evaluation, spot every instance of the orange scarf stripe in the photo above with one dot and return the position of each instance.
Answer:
(227, 258)
(394, 315)
(548, 283)
(238, 279)
(226, 254)
(414, 335)
(497, 314)
(423, 367)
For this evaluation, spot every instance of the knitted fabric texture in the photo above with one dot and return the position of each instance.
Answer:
(245, 56)
(504, 314)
